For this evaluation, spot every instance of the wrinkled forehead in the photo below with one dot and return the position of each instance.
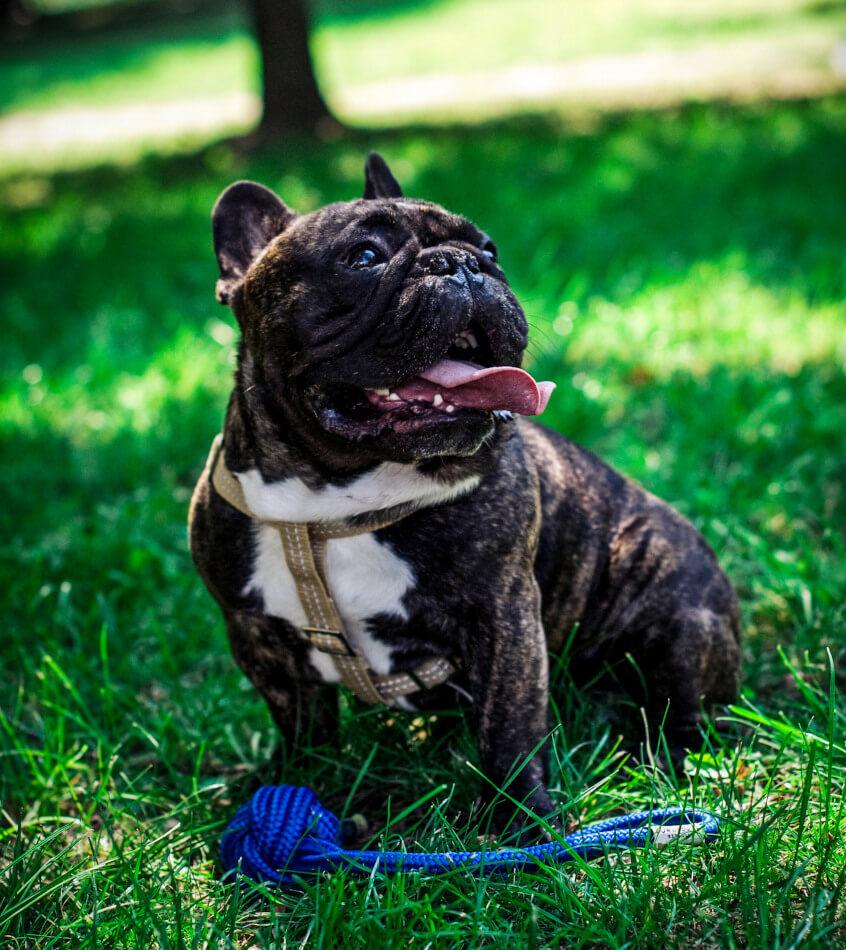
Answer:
(429, 223)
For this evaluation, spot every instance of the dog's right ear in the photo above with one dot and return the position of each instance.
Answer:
(245, 219)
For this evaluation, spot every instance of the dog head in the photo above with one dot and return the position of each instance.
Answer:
(382, 328)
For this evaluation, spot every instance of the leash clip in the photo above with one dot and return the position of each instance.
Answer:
(663, 835)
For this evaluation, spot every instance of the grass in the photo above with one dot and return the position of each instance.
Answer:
(168, 84)
(684, 275)
(203, 56)
(360, 42)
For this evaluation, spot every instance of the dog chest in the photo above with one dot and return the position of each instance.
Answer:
(365, 578)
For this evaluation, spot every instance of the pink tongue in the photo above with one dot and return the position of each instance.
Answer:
(477, 387)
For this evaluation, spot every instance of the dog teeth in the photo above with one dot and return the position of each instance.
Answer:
(466, 339)
(450, 408)
(380, 392)
(437, 400)
(393, 397)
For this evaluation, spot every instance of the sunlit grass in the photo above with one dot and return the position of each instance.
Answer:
(460, 36)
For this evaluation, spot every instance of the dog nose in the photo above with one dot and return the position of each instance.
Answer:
(468, 269)
(454, 264)
(441, 264)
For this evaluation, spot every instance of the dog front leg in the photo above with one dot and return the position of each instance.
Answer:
(274, 661)
(506, 662)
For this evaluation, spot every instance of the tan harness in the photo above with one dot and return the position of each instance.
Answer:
(304, 547)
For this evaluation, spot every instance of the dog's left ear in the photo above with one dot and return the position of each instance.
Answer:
(378, 180)
(246, 218)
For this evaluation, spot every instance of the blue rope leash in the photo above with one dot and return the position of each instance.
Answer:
(284, 830)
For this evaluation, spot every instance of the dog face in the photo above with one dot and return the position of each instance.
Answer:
(382, 325)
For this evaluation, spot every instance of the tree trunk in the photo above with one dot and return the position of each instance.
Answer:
(291, 98)
(15, 15)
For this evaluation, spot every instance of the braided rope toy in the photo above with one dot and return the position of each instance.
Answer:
(283, 830)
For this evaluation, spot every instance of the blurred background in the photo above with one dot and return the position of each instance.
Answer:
(93, 78)
(665, 180)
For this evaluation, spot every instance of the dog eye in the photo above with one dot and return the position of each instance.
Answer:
(364, 256)
(489, 250)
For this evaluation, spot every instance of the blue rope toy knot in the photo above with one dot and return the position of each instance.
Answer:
(283, 830)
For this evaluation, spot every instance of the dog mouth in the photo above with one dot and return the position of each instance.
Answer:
(452, 389)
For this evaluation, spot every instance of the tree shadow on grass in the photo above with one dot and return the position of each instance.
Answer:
(68, 49)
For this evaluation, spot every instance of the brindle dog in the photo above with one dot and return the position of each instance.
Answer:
(377, 373)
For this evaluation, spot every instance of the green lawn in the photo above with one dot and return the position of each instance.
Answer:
(684, 274)
(364, 41)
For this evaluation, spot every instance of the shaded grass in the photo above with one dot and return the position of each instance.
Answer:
(202, 55)
(684, 275)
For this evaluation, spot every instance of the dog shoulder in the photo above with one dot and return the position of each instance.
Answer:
(222, 545)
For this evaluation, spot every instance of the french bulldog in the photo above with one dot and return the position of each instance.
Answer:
(379, 389)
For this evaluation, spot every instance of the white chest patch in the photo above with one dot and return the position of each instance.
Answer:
(364, 577)
(389, 484)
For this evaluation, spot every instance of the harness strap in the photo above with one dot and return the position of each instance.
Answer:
(324, 628)
(304, 549)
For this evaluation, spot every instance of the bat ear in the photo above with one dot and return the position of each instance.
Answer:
(378, 180)
(245, 219)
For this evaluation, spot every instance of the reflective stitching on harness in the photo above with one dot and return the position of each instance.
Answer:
(291, 549)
